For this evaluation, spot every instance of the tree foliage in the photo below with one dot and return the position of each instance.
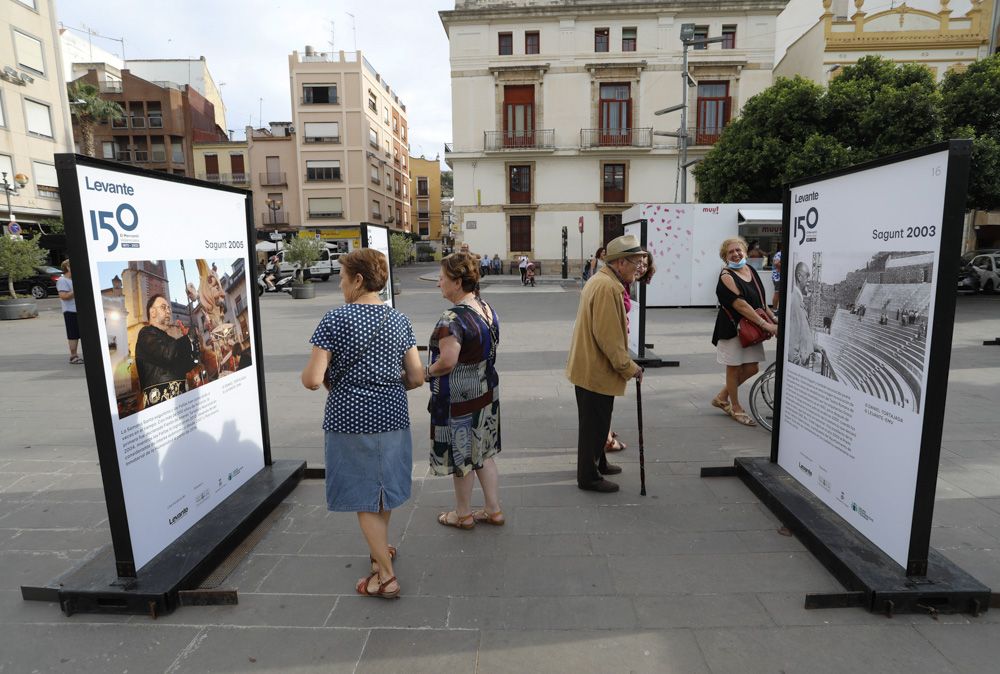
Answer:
(303, 253)
(89, 109)
(400, 249)
(18, 259)
(795, 129)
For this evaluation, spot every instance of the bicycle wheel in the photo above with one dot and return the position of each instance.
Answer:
(762, 398)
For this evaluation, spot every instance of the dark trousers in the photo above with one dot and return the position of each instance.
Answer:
(594, 413)
(524, 275)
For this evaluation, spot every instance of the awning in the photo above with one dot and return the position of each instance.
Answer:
(760, 216)
(266, 246)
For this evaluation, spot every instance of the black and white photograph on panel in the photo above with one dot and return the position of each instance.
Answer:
(861, 319)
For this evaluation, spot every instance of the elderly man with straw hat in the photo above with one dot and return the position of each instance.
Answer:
(599, 362)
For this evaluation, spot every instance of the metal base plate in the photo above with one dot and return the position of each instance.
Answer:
(94, 587)
(872, 578)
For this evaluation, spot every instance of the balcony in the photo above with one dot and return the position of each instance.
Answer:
(704, 134)
(616, 138)
(123, 155)
(138, 122)
(536, 139)
(269, 179)
(326, 214)
(109, 87)
(225, 178)
(376, 215)
(322, 139)
(274, 218)
(141, 156)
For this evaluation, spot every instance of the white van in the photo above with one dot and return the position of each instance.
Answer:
(322, 269)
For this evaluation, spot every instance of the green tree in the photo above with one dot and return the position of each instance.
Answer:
(970, 103)
(18, 259)
(400, 249)
(795, 129)
(447, 184)
(303, 253)
(89, 110)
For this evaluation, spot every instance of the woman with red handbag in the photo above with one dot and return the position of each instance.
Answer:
(743, 324)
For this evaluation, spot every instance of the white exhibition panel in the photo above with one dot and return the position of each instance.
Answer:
(852, 436)
(378, 239)
(684, 241)
(635, 313)
(181, 457)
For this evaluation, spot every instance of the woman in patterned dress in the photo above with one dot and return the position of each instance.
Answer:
(365, 354)
(465, 398)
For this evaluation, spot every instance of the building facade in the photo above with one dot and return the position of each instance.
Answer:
(929, 32)
(274, 177)
(223, 162)
(162, 122)
(193, 72)
(553, 105)
(351, 144)
(425, 199)
(34, 112)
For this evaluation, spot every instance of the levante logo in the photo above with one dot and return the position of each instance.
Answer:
(804, 226)
(124, 218)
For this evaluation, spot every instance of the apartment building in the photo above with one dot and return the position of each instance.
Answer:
(425, 200)
(553, 107)
(163, 120)
(34, 112)
(193, 72)
(274, 177)
(351, 144)
(223, 162)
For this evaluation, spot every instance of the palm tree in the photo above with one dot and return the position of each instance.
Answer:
(89, 109)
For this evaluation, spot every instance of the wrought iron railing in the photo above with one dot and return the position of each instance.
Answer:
(642, 137)
(536, 139)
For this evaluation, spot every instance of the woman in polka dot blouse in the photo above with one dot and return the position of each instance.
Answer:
(365, 354)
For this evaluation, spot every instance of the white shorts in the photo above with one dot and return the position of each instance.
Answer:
(731, 352)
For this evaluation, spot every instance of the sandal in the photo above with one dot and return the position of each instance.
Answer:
(615, 445)
(381, 592)
(460, 521)
(496, 519)
(76, 360)
(725, 406)
(743, 418)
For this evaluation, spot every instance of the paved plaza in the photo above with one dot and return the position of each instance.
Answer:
(694, 577)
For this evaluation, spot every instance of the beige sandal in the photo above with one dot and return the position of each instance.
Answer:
(725, 406)
(743, 418)
(459, 522)
(497, 519)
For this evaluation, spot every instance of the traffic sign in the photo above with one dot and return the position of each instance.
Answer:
(14, 228)
(581, 224)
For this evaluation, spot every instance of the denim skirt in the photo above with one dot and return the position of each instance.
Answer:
(366, 469)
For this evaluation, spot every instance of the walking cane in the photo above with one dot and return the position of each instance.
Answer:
(642, 455)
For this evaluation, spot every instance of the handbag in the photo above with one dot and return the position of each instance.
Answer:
(750, 333)
(333, 379)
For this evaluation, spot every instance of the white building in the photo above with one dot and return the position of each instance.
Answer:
(553, 105)
(34, 110)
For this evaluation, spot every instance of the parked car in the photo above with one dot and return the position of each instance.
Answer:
(967, 257)
(39, 286)
(968, 279)
(323, 268)
(987, 267)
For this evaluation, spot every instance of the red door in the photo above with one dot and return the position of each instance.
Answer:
(615, 115)
(212, 167)
(713, 111)
(519, 116)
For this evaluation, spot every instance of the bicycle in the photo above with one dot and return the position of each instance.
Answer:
(762, 398)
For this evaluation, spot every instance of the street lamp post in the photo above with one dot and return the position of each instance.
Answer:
(8, 190)
(274, 205)
(687, 40)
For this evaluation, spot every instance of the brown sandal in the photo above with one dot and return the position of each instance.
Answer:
(460, 521)
(362, 587)
(496, 519)
(615, 445)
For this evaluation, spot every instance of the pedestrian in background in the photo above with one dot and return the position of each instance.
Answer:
(599, 362)
(64, 285)
(776, 278)
(497, 264)
(595, 263)
(522, 265)
(465, 395)
(740, 294)
(484, 266)
(365, 354)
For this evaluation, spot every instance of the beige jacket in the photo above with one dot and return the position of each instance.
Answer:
(598, 356)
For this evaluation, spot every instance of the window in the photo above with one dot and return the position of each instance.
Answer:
(388, 179)
(628, 39)
(421, 187)
(615, 108)
(423, 208)
(406, 190)
(713, 111)
(385, 115)
(177, 149)
(425, 227)
(519, 116)
(107, 150)
(237, 166)
(28, 3)
(520, 184)
(388, 148)
(322, 132)
(212, 166)
(701, 33)
(3, 116)
(46, 183)
(376, 209)
(612, 225)
(506, 44)
(374, 174)
(325, 207)
(319, 93)
(614, 183)
(532, 42)
(520, 233)
(729, 37)
(39, 120)
(388, 213)
(372, 102)
(6, 166)
(601, 40)
(397, 186)
(373, 138)
(29, 52)
(322, 170)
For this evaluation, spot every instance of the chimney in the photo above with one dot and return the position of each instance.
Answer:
(310, 51)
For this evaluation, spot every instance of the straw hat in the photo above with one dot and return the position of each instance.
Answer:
(623, 246)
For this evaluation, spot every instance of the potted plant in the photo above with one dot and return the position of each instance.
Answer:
(303, 253)
(18, 259)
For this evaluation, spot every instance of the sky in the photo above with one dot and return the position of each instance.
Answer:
(246, 45)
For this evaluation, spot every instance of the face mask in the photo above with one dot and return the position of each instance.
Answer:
(738, 265)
